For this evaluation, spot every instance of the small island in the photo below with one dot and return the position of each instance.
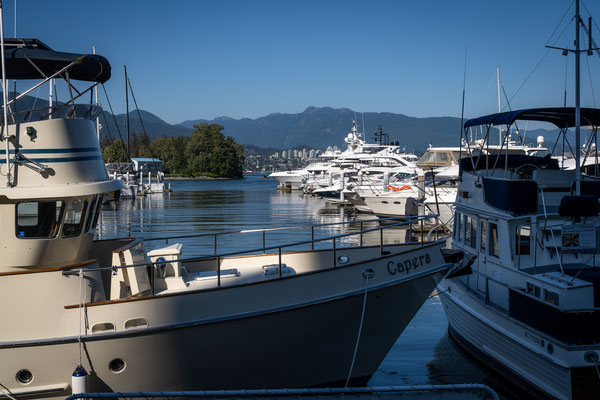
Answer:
(207, 153)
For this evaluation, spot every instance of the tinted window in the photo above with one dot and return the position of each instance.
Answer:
(494, 251)
(523, 240)
(38, 219)
(90, 217)
(74, 217)
(483, 236)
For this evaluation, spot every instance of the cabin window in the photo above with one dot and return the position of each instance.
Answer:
(38, 219)
(74, 217)
(494, 246)
(551, 297)
(458, 227)
(533, 290)
(483, 236)
(97, 213)
(470, 231)
(90, 218)
(523, 240)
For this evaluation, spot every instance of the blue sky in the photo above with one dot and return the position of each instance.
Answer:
(204, 59)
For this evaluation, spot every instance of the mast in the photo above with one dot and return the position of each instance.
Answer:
(4, 99)
(577, 105)
(127, 112)
(96, 99)
(499, 106)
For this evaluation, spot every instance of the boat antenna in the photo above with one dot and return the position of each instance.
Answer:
(4, 99)
(362, 112)
(577, 104)
(462, 111)
(14, 80)
(97, 102)
(127, 113)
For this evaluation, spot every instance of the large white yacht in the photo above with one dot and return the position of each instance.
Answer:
(127, 319)
(531, 308)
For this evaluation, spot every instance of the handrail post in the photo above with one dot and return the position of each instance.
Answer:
(422, 232)
(264, 234)
(280, 272)
(218, 271)
(380, 241)
(334, 255)
(410, 232)
(215, 244)
(361, 234)
(312, 237)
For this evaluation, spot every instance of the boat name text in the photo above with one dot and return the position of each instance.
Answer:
(408, 265)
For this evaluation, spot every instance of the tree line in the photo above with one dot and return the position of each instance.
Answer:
(207, 152)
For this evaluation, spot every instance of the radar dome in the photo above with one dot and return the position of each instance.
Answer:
(540, 141)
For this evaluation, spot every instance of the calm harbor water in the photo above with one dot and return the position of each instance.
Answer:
(424, 354)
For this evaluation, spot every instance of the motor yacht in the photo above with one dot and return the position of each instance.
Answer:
(531, 305)
(127, 315)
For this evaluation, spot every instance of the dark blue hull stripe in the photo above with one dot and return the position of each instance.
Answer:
(46, 151)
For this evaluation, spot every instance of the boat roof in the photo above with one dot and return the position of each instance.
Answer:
(562, 117)
(32, 59)
(142, 159)
(501, 161)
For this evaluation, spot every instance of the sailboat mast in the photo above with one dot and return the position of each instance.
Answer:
(127, 112)
(499, 106)
(577, 105)
(96, 99)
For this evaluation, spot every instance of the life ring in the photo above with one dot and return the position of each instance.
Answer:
(395, 189)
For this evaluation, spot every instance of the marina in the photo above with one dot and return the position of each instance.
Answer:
(158, 266)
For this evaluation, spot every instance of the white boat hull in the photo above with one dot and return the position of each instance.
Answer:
(511, 348)
(294, 332)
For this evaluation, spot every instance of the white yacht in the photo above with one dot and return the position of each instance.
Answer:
(127, 319)
(531, 307)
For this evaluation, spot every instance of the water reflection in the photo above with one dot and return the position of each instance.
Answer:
(424, 354)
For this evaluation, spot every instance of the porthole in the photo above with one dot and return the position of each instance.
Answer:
(116, 365)
(24, 376)
(550, 348)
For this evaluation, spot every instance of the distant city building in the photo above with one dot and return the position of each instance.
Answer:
(295, 153)
(276, 155)
(283, 154)
(311, 153)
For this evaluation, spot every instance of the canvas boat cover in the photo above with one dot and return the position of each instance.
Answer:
(22, 54)
(562, 117)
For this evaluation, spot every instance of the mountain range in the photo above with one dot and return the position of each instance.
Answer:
(315, 127)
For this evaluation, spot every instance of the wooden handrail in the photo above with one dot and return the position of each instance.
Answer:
(36, 271)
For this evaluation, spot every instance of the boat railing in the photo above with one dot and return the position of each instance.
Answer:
(279, 248)
(263, 231)
(463, 390)
(70, 111)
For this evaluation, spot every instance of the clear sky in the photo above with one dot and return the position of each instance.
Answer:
(204, 59)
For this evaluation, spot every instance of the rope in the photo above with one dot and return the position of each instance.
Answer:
(367, 273)
(8, 393)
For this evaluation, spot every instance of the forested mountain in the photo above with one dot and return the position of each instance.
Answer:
(315, 127)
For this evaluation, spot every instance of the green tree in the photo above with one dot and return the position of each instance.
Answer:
(210, 153)
(171, 151)
(114, 152)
